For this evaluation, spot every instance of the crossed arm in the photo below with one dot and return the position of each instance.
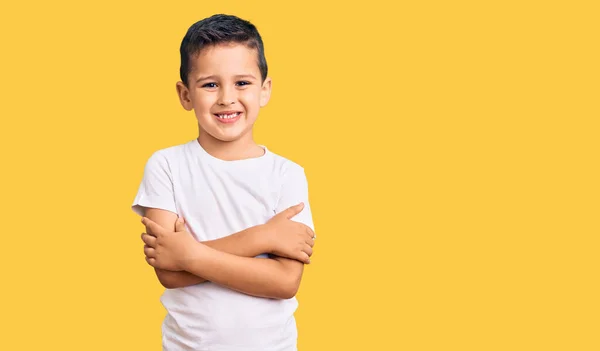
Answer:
(179, 260)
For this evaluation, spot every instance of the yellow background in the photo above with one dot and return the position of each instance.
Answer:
(451, 150)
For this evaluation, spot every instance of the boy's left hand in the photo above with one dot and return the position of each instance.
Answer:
(166, 249)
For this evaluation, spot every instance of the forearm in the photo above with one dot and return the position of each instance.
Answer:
(249, 242)
(271, 278)
(179, 279)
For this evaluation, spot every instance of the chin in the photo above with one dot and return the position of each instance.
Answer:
(227, 137)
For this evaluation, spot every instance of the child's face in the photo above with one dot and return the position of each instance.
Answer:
(225, 91)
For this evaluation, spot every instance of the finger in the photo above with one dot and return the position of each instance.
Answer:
(153, 227)
(294, 210)
(308, 250)
(180, 225)
(310, 232)
(150, 261)
(306, 257)
(149, 251)
(302, 256)
(310, 242)
(303, 230)
(149, 231)
(149, 239)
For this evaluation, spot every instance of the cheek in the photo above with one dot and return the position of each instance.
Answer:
(205, 101)
(251, 99)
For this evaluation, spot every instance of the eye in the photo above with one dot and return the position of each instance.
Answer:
(243, 83)
(210, 85)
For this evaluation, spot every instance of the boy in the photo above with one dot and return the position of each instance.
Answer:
(232, 269)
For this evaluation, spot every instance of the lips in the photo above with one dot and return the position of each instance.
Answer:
(228, 116)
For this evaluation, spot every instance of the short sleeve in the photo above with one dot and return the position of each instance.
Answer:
(294, 189)
(156, 188)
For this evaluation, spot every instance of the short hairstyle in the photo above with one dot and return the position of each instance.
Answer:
(220, 29)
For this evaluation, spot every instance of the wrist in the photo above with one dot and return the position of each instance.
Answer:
(265, 237)
(195, 254)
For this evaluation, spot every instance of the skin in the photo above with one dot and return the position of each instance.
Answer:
(280, 236)
(178, 251)
(224, 78)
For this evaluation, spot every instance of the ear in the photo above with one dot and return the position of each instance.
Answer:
(265, 92)
(184, 96)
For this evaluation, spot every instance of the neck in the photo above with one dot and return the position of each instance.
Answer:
(242, 148)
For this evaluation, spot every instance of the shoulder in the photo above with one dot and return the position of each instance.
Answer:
(168, 155)
(288, 173)
(168, 160)
(284, 166)
(172, 151)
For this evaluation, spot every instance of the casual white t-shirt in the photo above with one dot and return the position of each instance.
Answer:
(218, 198)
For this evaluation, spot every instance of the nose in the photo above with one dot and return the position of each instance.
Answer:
(226, 96)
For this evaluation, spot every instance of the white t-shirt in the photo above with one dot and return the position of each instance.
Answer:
(218, 198)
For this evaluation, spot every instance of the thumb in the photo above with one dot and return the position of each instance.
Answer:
(294, 210)
(180, 225)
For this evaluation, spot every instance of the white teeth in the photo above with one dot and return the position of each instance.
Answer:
(230, 116)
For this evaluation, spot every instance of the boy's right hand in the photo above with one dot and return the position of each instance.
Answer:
(288, 238)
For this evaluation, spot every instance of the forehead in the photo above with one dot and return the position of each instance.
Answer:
(226, 59)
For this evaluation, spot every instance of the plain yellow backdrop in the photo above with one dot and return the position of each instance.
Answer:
(451, 150)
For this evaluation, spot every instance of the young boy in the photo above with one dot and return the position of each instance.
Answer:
(228, 222)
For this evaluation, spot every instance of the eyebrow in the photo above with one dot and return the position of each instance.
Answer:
(239, 76)
(205, 78)
(245, 76)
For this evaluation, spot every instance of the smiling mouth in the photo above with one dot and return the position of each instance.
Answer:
(227, 116)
